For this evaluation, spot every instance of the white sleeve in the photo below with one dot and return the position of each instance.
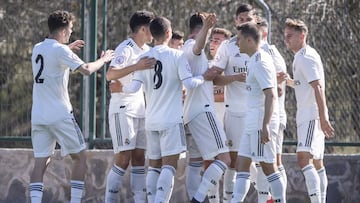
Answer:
(132, 87)
(191, 83)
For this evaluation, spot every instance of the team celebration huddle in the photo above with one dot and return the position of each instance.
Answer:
(163, 104)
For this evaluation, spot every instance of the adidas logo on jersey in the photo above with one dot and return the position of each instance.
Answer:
(300, 144)
(160, 188)
(237, 55)
(213, 182)
(248, 87)
(127, 141)
(297, 82)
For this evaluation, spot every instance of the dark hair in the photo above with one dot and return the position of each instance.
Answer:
(195, 22)
(159, 26)
(59, 19)
(244, 8)
(250, 29)
(140, 18)
(177, 34)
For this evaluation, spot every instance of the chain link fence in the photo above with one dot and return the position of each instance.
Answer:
(334, 27)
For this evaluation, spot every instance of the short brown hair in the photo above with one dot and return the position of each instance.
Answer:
(59, 19)
(297, 25)
(222, 31)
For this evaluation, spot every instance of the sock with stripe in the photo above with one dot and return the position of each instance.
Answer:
(323, 183)
(241, 187)
(229, 180)
(312, 182)
(283, 173)
(77, 188)
(262, 185)
(137, 183)
(193, 177)
(277, 187)
(36, 192)
(165, 183)
(113, 183)
(152, 177)
(211, 177)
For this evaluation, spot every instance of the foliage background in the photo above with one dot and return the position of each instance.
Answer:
(334, 30)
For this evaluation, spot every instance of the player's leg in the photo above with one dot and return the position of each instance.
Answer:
(172, 143)
(137, 175)
(234, 125)
(43, 145)
(213, 194)
(36, 179)
(279, 145)
(319, 165)
(194, 167)
(305, 138)
(206, 128)
(77, 176)
(242, 181)
(123, 139)
(72, 142)
(319, 147)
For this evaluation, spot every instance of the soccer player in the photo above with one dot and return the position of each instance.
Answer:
(280, 66)
(312, 118)
(52, 118)
(218, 35)
(177, 40)
(262, 119)
(199, 113)
(127, 111)
(163, 119)
(234, 65)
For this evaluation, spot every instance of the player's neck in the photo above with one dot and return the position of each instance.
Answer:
(299, 47)
(138, 40)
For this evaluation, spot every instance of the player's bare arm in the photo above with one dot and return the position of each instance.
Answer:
(88, 68)
(227, 79)
(201, 38)
(77, 45)
(325, 124)
(144, 63)
(269, 108)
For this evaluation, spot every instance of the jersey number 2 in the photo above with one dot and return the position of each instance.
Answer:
(158, 76)
(37, 77)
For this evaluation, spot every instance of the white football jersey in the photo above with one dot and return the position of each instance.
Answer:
(51, 64)
(280, 66)
(307, 67)
(229, 58)
(127, 53)
(163, 87)
(261, 75)
(201, 98)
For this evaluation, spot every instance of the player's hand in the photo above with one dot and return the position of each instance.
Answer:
(280, 90)
(209, 20)
(265, 134)
(210, 74)
(107, 55)
(241, 77)
(146, 63)
(77, 45)
(281, 77)
(327, 128)
(115, 86)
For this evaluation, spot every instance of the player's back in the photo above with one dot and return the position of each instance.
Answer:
(163, 87)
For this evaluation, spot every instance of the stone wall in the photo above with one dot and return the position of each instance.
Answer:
(16, 164)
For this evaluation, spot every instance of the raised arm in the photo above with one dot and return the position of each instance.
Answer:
(88, 68)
